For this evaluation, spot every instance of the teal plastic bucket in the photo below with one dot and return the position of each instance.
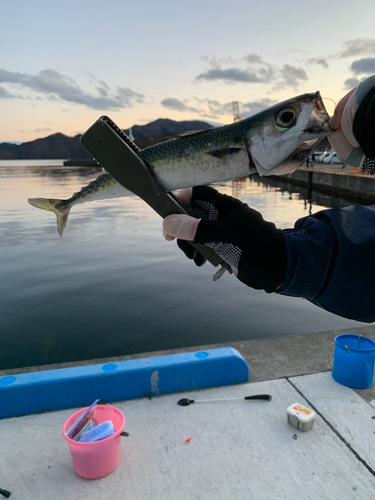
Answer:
(353, 362)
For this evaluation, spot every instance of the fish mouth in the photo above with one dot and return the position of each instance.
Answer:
(317, 129)
(301, 153)
(318, 124)
(295, 159)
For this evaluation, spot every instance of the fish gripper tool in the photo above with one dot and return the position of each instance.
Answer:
(118, 155)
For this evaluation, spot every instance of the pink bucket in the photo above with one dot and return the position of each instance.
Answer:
(94, 460)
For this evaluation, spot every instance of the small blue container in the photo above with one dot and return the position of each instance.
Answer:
(353, 363)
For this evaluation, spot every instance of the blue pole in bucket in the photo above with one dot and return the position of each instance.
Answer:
(354, 359)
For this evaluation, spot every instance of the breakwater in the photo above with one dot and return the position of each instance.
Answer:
(350, 185)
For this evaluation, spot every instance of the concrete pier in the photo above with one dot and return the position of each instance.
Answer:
(335, 182)
(233, 449)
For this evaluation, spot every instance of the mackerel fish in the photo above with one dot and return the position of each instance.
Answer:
(273, 142)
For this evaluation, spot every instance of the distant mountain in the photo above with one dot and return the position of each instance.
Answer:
(53, 147)
(59, 146)
(163, 126)
(7, 145)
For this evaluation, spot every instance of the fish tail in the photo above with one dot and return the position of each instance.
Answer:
(62, 213)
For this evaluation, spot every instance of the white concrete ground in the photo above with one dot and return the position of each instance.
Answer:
(238, 450)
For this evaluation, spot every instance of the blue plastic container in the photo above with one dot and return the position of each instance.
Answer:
(353, 363)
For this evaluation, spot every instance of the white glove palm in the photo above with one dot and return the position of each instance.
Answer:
(343, 140)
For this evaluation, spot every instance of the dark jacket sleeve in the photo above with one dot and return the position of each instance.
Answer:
(331, 261)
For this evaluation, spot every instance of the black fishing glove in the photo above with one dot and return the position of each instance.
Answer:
(255, 249)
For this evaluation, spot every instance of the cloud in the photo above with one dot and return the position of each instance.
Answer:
(52, 98)
(290, 76)
(256, 70)
(229, 75)
(254, 59)
(176, 105)
(203, 107)
(363, 66)
(4, 94)
(216, 62)
(358, 46)
(213, 109)
(318, 60)
(230, 70)
(42, 130)
(128, 97)
(351, 83)
(58, 87)
(251, 108)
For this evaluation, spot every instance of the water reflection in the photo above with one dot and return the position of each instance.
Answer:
(64, 172)
(50, 171)
(111, 285)
(316, 197)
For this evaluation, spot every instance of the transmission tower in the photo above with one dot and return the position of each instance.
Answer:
(236, 113)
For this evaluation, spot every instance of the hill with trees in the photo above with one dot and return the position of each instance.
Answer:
(59, 146)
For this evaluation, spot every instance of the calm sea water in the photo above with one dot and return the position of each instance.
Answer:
(113, 286)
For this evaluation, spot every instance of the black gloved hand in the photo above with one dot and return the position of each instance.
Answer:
(255, 249)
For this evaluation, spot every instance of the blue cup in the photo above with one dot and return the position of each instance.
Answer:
(353, 363)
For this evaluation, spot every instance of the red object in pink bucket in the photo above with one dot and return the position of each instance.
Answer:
(100, 458)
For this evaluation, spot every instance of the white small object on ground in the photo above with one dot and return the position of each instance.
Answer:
(300, 417)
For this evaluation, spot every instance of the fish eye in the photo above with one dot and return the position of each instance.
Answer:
(286, 118)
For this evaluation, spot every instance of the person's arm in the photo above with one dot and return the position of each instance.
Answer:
(327, 258)
(331, 261)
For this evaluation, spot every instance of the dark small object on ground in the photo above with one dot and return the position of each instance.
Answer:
(5, 493)
(124, 433)
(185, 402)
(295, 436)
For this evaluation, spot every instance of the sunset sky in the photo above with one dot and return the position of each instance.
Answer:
(64, 64)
